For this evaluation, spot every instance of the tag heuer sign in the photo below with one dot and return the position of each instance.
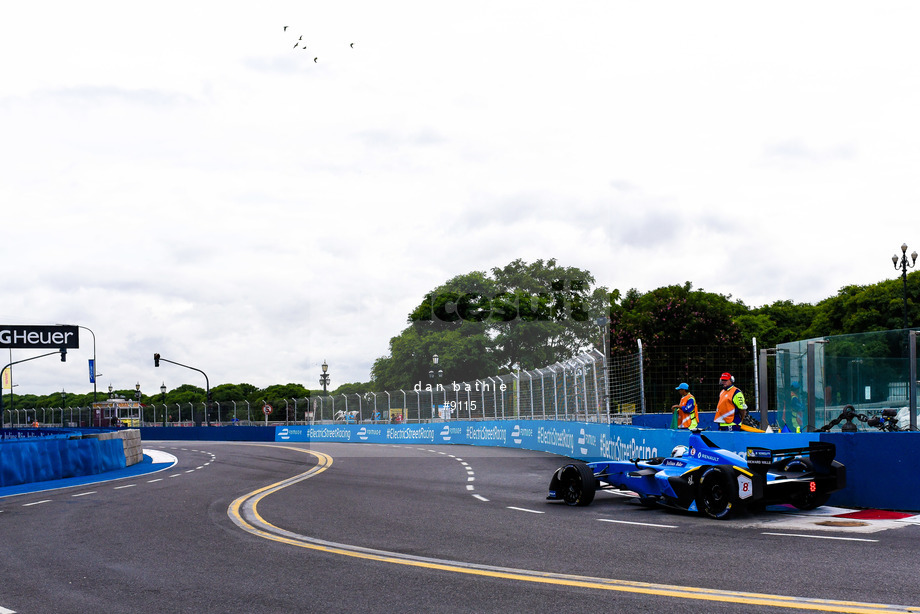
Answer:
(29, 337)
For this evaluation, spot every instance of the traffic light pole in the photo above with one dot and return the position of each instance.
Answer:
(156, 363)
(62, 351)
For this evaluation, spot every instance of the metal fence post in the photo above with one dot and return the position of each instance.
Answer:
(641, 376)
(912, 386)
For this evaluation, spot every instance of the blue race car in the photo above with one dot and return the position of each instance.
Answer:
(705, 478)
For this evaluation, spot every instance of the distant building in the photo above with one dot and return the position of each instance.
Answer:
(117, 411)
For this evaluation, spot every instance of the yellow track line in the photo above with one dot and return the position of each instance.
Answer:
(244, 513)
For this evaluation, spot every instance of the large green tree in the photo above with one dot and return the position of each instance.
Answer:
(483, 323)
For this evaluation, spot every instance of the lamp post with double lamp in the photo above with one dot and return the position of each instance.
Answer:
(324, 381)
(902, 264)
(163, 398)
(436, 377)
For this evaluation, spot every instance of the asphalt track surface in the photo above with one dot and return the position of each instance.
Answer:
(235, 527)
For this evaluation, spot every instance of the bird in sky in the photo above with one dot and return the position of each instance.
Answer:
(352, 45)
(315, 60)
(296, 45)
(285, 29)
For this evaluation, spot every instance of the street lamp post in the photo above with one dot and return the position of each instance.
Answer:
(163, 398)
(137, 397)
(324, 377)
(902, 264)
(437, 378)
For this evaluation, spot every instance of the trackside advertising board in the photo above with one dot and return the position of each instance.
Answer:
(571, 439)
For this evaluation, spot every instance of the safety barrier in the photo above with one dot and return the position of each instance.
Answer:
(62, 453)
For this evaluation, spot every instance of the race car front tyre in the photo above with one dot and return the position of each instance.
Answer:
(714, 495)
(577, 484)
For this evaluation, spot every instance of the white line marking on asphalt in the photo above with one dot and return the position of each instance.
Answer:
(470, 471)
(469, 487)
(125, 486)
(848, 539)
(5, 611)
(190, 470)
(522, 509)
(465, 464)
(480, 497)
(156, 480)
(202, 467)
(36, 503)
(471, 479)
(175, 475)
(641, 524)
(83, 494)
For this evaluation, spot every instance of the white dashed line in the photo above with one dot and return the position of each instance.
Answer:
(156, 480)
(36, 503)
(848, 539)
(641, 524)
(83, 494)
(523, 509)
(480, 497)
(125, 486)
(469, 487)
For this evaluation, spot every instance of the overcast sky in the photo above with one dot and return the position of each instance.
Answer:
(179, 178)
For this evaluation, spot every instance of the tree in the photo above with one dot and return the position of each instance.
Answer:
(688, 336)
(483, 323)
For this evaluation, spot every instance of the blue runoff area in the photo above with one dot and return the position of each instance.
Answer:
(144, 467)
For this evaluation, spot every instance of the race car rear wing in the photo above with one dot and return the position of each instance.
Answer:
(821, 454)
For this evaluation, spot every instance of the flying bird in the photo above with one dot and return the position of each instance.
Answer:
(295, 45)
(315, 59)
(352, 45)
(285, 29)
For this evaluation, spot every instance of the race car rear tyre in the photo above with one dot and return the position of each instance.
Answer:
(809, 500)
(577, 484)
(714, 496)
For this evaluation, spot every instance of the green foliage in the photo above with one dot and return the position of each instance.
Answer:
(482, 323)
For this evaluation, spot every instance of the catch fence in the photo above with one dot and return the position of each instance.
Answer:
(582, 388)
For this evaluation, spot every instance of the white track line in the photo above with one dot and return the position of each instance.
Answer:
(848, 539)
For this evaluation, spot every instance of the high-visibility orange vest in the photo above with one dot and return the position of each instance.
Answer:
(725, 410)
(687, 415)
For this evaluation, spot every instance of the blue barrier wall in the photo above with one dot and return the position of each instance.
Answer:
(38, 459)
(207, 433)
(663, 421)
